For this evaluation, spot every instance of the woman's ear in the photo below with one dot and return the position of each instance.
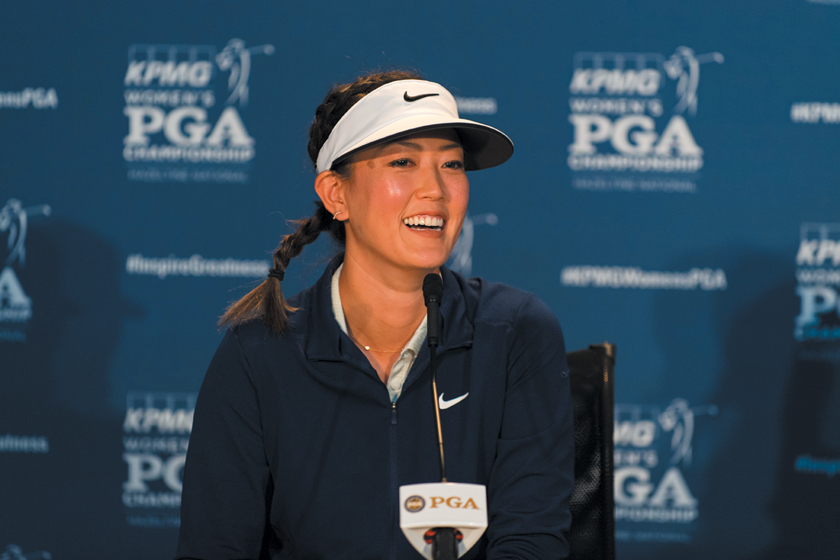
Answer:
(330, 189)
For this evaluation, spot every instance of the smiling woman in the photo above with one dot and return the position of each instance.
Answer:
(403, 204)
(298, 410)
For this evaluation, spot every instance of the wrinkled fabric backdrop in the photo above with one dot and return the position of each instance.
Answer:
(674, 191)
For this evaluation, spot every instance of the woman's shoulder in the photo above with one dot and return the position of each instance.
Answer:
(253, 333)
(499, 302)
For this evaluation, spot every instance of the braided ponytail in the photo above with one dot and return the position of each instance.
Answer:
(267, 300)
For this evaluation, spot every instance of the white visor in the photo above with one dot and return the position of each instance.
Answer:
(407, 107)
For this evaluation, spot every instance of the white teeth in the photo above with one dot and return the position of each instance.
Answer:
(428, 221)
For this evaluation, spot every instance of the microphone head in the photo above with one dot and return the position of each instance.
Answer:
(432, 288)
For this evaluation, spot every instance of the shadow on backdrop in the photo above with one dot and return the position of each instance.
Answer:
(728, 353)
(55, 386)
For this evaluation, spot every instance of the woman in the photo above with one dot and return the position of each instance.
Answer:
(315, 411)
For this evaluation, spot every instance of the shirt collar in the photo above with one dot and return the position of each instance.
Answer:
(417, 338)
(327, 340)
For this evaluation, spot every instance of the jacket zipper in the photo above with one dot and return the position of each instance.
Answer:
(395, 491)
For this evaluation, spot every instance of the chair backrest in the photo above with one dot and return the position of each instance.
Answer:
(592, 535)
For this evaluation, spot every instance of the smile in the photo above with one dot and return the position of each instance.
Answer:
(424, 223)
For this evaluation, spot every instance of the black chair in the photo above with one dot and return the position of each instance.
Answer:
(592, 535)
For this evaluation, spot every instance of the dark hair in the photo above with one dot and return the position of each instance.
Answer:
(267, 300)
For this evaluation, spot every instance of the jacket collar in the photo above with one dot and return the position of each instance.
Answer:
(326, 342)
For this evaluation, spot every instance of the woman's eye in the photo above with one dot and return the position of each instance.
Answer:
(403, 162)
(457, 164)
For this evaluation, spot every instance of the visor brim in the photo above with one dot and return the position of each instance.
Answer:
(484, 146)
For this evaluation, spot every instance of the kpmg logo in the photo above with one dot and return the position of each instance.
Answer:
(156, 435)
(176, 129)
(621, 124)
(818, 283)
(653, 449)
(15, 305)
(461, 258)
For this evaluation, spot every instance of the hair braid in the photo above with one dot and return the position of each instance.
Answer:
(267, 300)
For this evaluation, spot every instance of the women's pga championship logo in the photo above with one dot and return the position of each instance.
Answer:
(818, 283)
(653, 449)
(15, 304)
(156, 434)
(616, 111)
(175, 130)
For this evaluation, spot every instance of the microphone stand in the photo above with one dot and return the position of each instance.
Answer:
(444, 541)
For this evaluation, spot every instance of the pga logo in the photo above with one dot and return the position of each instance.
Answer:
(453, 502)
(633, 487)
(633, 135)
(186, 126)
(144, 468)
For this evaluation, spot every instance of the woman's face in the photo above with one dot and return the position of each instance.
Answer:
(406, 201)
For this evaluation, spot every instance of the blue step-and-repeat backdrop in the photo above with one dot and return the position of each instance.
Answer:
(675, 190)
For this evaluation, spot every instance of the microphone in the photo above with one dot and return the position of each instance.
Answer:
(432, 293)
(456, 515)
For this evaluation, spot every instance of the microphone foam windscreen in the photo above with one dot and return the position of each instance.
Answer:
(432, 287)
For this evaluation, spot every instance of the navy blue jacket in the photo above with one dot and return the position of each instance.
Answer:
(297, 452)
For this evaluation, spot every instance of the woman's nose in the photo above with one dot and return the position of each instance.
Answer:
(432, 185)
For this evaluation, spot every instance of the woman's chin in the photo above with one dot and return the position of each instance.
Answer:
(431, 262)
